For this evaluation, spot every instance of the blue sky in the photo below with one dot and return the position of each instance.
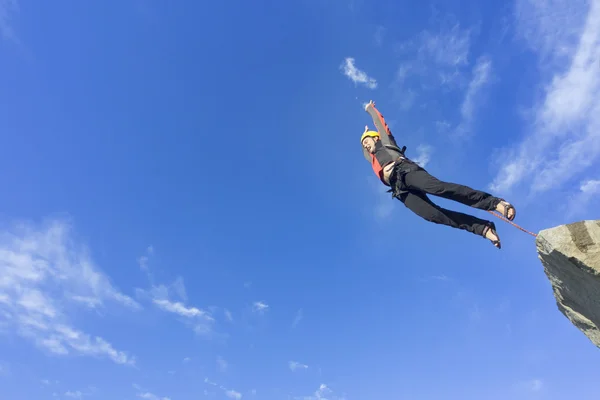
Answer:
(187, 213)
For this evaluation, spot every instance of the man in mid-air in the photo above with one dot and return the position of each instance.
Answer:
(410, 183)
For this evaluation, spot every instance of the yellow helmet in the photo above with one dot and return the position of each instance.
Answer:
(372, 134)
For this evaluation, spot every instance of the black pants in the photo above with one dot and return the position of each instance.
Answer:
(411, 184)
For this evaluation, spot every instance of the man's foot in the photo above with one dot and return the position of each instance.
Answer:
(490, 234)
(506, 209)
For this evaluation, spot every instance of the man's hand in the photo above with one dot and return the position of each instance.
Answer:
(366, 129)
(370, 103)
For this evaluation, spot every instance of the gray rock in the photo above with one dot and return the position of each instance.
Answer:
(570, 255)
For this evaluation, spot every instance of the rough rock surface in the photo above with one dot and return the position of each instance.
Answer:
(570, 255)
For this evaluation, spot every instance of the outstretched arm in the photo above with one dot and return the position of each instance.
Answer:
(382, 127)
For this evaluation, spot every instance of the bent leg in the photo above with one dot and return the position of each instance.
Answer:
(421, 205)
(421, 180)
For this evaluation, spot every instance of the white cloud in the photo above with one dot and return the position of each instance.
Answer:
(7, 9)
(162, 296)
(535, 385)
(356, 75)
(259, 306)
(423, 155)
(201, 320)
(209, 382)
(44, 273)
(480, 77)
(90, 302)
(564, 136)
(435, 61)
(448, 47)
(232, 394)
(143, 260)
(436, 58)
(145, 394)
(180, 309)
(551, 27)
(74, 395)
(228, 315)
(578, 203)
(590, 187)
(143, 263)
(294, 365)
(297, 318)
(151, 396)
(322, 393)
(442, 126)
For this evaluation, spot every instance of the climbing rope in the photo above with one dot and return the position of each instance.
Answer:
(510, 222)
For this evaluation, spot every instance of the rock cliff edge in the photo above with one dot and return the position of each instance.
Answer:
(570, 255)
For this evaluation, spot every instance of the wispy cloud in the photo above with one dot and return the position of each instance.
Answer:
(171, 299)
(228, 315)
(294, 365)
(297, 318)
(563, 138)
(480, 77)
(231, 393)
(144, 264)
(552, 28)
(44, 272)
(443, 126)
(423, 156)
(260, 307)
(151, 396)
(530, 386)
(8, 8)
(449, 47)
(146, 394)
(435, 63)
(434, 58)
(74, 395)
(356, 75)
(578, 203)
(322, 393)
(180, 309)
(535, 385)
